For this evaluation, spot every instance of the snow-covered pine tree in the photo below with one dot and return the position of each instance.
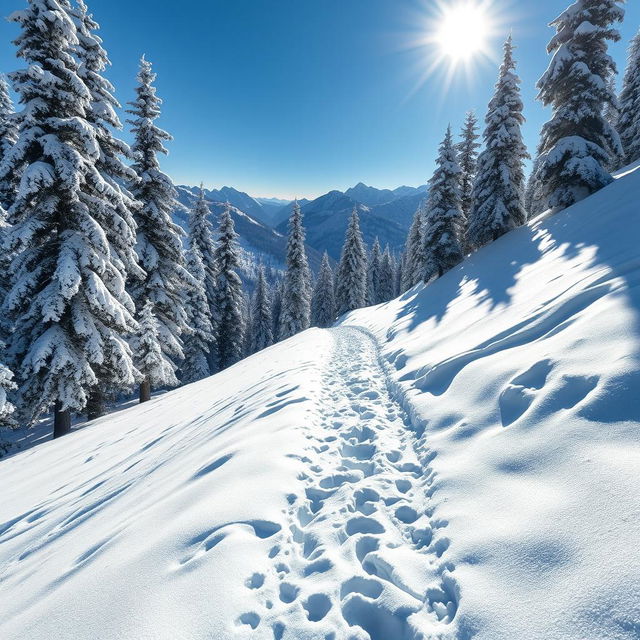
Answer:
(7, 385)
(8, 137)
(158, 371)
(499, 187)
(397, 281)
(67, 303)
(323, 303)
(413, 268)
(201, 234)
(276, 306)
(387, 275)
(351, 275)
(577, 143)
(629, 118)
(444, 221)
(158, 245)
(373, 273)
(468, 161)
(199, 338)
(119, 224)
(228, 321)
(247, 320)
(261, 318)
(296, 297)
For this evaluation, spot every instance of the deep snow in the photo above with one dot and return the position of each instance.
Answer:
(459, 463)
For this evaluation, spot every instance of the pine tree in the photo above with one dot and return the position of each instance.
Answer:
(158, 244)
(67, 303)
(119, 224)
(577, 143)
(261, 319)
(629, 119)
(468, 160)
(499, 188)
(228, 321)
(7, 385)
(277, 291)
(8, 137)
(199, 337)
(373, 273)
(158, 371)
(444, 222)
(397, 281)
(413, 268)
(351, 276)
(296, 298)
(386, 285)
(323, 304)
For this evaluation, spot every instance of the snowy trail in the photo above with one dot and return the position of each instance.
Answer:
(363, 556)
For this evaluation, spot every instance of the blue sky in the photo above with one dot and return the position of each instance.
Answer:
(296, 97)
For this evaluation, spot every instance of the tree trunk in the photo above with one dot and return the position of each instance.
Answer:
(95, 403)
(61, 421)
(145, 391)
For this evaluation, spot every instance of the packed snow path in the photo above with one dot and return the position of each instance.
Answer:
(362, 555)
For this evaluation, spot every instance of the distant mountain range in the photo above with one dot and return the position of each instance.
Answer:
(262, 222)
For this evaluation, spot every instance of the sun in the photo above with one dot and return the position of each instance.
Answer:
(463, 31)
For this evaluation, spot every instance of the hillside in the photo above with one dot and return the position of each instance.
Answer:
(460, 463)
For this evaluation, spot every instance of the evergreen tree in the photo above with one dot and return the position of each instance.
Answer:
(413, 269)
(499, 188)
(629, 119)
(247, 321)
(323, 304)
(386, 286)
(67, 303)
(199, 337)
(577, 143)
(262, 321)
(8, 137)
(7, 385)
(158, 244)
(276, 307)
(158, 371)
(351, 276)
(228, 321)
(468, 160)
(373, 273)
(397, 282)
(444, 222)
(119, 224)
(296, 297)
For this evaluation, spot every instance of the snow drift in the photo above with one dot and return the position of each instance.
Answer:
(459, 463)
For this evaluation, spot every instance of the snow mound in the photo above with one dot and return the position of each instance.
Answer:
(521, 369)
(459, 463)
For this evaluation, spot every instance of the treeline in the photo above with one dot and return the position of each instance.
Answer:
(101, 292)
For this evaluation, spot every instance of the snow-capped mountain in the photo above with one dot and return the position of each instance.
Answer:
(372, 196)
(461, 462)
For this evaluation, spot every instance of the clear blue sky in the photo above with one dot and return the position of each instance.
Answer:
(297, 97)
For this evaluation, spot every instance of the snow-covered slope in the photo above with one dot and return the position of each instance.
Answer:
(459, 463)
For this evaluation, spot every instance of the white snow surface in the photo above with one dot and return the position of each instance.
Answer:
(460, 463)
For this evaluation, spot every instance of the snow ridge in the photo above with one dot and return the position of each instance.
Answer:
(364, 503)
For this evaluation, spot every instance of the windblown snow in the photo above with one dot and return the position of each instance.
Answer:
(459, 463)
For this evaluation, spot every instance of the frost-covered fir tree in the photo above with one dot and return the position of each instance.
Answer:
(276, 307)
(7, 385)
(413, 267)
(201, 234)
(468, 159)
(323, 304)
(158, 245)
(67, 304)
(629, 117)
(444, 221)
(351, 275)
(199, 338)
(373, 273)
(397, 280)
(157, 370)
(261, 318)
(498, 193)
(577, 143)
(386, 284)
(8, 137)
(228, 321)
(295, 315)
(120, 226)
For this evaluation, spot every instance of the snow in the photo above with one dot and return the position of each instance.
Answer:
(458, 463)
